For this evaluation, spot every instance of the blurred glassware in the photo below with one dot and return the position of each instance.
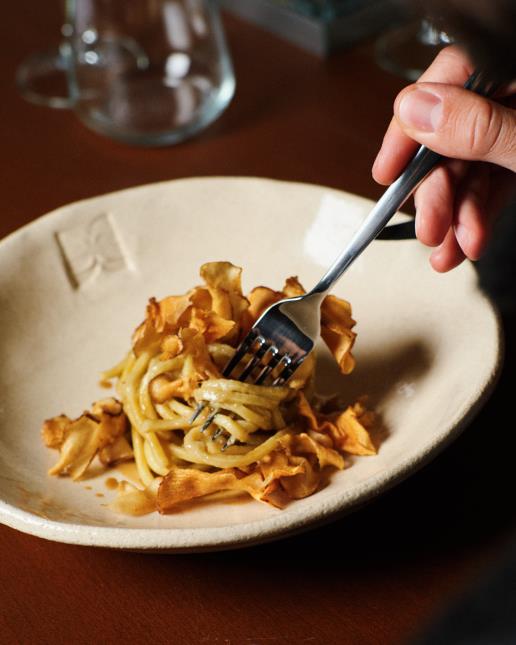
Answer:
(151, 72)
(408, 50)
(42, 77)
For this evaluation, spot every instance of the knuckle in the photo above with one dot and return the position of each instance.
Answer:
(485, 133)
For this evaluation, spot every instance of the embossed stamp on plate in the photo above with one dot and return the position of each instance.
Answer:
(92, 250)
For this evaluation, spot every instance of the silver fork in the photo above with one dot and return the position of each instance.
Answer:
(286, 332)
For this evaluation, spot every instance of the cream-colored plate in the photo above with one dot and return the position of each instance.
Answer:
(74, 284)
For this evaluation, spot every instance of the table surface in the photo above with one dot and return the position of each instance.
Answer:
(376, 576)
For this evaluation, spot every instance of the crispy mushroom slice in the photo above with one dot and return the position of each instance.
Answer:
(86, 436)
(349, 430)
(162, 318)
(302, 484)
(78, 449)
(336, 326)
(110, 406)
(117, 452)
(224, 283)
(55, 430)
(131, 500)
(352, 430)
(212, 326)
(259, 299)
(222, 275)
(304, 444)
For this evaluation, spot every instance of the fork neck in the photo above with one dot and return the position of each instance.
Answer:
(317, 294)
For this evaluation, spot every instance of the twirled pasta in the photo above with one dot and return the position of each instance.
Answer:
(267, 441)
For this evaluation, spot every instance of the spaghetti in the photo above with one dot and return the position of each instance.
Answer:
(269, 442)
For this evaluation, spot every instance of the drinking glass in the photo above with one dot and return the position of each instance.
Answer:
(145, 72)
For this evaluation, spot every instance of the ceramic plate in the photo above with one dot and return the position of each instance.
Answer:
(74, 284)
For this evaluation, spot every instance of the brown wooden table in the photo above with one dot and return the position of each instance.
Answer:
(374, 577)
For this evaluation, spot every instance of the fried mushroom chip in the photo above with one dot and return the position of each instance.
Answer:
(162, 319)
(349, 430)
(211, 325)
(117, 452)
(352, 430)
(131, 500)
(55, 430)
(86, 436)
(80, 446)
(184, 484)
(336, 326)
(224, 281)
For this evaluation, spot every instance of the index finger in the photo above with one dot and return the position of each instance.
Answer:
(450, 66)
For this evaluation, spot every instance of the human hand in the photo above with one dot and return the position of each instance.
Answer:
(458, 201)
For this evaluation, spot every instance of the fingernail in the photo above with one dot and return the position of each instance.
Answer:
(420, 110)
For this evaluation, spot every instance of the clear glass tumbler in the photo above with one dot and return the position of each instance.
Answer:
(148, 72)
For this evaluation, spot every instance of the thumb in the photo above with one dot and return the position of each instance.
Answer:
(458, 123)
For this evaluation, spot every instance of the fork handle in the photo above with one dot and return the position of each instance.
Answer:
(395, 196)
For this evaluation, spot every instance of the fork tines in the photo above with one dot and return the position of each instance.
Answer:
(262, 357)
(258, 355)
